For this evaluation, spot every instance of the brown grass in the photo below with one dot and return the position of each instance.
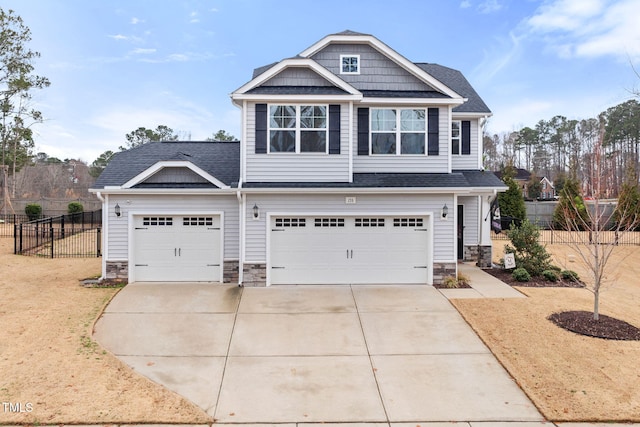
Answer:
(48, 359)
(568, 376)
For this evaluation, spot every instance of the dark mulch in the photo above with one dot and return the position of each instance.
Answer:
(581, 322)
(535, 282)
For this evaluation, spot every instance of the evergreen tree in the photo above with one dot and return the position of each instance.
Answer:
(571, 212)
(627, 213)
(511, 202)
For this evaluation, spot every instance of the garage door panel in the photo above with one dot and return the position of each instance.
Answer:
(177, 248)
(367, 249)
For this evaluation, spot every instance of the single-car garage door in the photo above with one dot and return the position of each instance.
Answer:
(176, 248)
(349, 249)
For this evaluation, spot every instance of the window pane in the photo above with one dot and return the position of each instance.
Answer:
(455, 146)
(455, 129)
(412, 120)
(383, 143)
(283, 141)
(350, 64)
(412, 143)
(383, 120)
(313, 141)
(282, 116)
(313, 117)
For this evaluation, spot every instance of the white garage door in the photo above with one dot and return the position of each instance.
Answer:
(341, 250)
(177, 248)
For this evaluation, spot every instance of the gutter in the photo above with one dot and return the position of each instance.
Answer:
(105, 228)
(242, 201)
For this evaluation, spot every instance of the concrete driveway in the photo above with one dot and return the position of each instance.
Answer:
(329, 354)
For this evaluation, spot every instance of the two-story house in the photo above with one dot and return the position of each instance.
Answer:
(355, 166)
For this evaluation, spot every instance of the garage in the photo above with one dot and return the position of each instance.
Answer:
(177, 248)
(349, 249)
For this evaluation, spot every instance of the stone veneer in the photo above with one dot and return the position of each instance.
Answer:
(231, 272)
(442, 270)
(254, 275)
(120, 270)
(485, 256)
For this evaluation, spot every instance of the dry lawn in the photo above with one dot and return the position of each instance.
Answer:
(49, 363)
(569, 377)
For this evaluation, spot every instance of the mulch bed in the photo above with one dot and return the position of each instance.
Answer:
(535, 282)
(581, 322)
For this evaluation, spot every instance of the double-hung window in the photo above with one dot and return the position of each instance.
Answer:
(298, 128)
(456, 128)
(398, 131)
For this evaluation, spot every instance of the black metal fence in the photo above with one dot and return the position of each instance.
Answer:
(72, 235)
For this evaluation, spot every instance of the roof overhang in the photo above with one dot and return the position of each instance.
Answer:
(147, 173)
(387, 51)
(377, 190)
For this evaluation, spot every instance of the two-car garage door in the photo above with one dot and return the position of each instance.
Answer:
(177, 248)
(349, 249)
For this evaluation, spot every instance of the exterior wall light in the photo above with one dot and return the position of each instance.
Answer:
(256, 211)
(117, 209)
(445, 211)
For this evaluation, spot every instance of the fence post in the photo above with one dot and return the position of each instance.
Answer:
(98, 242)
(51, 231)
(15, 238)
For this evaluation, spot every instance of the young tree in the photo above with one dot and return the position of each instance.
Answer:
(17, 82)
(511, 202)
(572, 204)
(595, 245)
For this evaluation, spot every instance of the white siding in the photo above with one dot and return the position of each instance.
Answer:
(119, 226)
(302, 167)
(470, 219)
(406, 164)
(377, 72)
(469, 161)
(256, 230)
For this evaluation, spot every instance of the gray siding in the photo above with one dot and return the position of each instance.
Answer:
(377, 72)
(256, 230)
(471, 212)
(303, 167)
(408, 164)
(469, 161)
(174, 175)
(118, 227)
(297, 76)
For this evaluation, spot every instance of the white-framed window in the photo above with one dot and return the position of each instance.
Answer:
(349, 64)
(398, 131)
(298, 129)
(456, 132)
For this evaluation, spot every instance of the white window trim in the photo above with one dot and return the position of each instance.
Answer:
(297, 129)
(350, 72)
(459, 153)
(398, 132)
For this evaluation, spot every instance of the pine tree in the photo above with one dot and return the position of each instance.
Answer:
(511, 202)
(571, 212)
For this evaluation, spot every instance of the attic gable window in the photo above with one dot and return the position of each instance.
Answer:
(349, 64)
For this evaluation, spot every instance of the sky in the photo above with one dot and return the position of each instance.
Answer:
(117, 65)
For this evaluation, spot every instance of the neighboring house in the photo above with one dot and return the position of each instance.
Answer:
(548, 191)
(522, 178)
(355, 166)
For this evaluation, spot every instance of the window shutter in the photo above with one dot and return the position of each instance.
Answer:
(363, 131)
(466, 137)
(261, 128)
(433, 116)
(334, 129)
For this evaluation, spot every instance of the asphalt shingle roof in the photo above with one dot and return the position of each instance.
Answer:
(219, 159)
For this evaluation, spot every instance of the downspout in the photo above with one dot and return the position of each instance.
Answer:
(105, 227)
(241, 209)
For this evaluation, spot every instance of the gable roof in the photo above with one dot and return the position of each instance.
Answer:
(217, 159)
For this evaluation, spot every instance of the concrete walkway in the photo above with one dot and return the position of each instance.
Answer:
(314, 354)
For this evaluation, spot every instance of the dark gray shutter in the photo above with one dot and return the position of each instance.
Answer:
(433, 116)
(261, 128)
(466, 137)
(363, 131)
(334, 129)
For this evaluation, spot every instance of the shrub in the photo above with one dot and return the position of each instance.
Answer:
(550, 275)
(33, 211)
(528, 252)
(521, 275)
(450, 282)
(570, 275)
(75, 207)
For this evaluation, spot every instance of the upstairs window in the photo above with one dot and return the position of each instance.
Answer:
(349, 64)
(298, 129)
(455, 136)
(398, 131)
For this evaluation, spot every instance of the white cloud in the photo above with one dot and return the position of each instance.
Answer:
(135, 21)
(489, 6)
(465, 4)
(118, 37)
(497, 57)
(589, 28)
(141, 51)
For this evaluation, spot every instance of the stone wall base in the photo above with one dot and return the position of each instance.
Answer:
(442, 270)
(254, 275)
(117, 270)
(485, 255)
(470, 253)
(231, 273)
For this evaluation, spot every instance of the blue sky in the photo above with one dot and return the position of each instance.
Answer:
(117, 65)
